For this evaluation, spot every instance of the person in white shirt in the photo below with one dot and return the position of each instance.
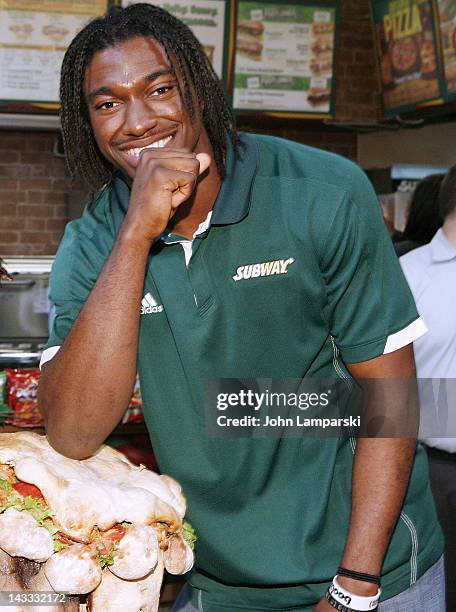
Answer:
(431, 273)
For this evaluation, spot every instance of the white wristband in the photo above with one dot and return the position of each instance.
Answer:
(359, 603)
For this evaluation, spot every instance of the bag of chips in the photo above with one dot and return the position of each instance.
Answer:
(134, 413)
(22, 386)
(3, 405)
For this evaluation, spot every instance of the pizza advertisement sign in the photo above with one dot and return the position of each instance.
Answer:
(408, 53)
(285, 57)
(447, 25)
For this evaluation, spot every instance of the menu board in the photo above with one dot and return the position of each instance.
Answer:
(208, 21)
(447, 19)
(409, 62)
(34, 35)
(284, 59)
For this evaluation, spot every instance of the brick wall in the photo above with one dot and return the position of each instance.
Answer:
(358, 86)
(336, 140)
(35, 187)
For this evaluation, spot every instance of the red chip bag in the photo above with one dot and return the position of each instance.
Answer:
(21, 392)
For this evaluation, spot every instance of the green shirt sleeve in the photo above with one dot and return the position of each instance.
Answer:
(85, 247)
(368, 299)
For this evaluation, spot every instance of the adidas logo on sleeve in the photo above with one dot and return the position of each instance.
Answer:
(149, 305)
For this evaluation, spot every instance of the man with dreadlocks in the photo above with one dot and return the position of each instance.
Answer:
(208, 254)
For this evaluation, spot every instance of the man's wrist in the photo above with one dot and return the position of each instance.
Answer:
(357, 586)
(129, 235)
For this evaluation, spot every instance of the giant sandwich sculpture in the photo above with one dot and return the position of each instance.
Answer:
(101, 526)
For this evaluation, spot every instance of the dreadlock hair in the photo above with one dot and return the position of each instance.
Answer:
(186, 57)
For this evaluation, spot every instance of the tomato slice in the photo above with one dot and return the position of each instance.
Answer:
(24, 488)
(62, 538)
(115, 533)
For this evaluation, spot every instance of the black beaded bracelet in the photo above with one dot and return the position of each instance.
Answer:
(342, 571)
(335, 604)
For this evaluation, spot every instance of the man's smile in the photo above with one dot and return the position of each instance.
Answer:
(158, 144)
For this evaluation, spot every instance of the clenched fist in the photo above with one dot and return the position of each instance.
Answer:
(164, 179)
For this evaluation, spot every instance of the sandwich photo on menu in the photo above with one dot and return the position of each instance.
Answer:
(102, 527)
(322, 49)
(249, 39)
(317, 96)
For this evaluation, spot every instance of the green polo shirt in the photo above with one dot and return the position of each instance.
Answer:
(295, 276)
